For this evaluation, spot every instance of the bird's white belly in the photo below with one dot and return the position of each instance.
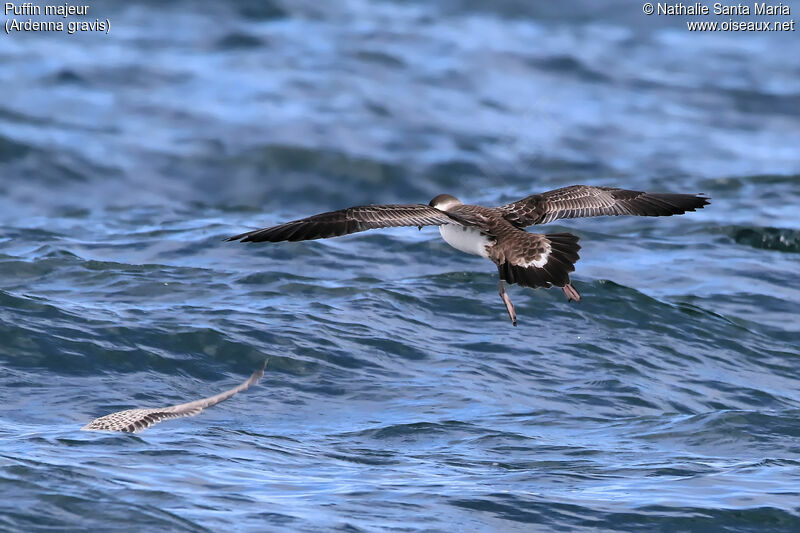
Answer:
(467, 240)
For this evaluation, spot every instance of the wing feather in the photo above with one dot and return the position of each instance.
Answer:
(577, 201)
(350, 220)
(135, 420)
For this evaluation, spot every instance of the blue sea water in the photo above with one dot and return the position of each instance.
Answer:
(397, 394)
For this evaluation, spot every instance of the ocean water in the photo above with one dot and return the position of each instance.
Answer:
(397, 394)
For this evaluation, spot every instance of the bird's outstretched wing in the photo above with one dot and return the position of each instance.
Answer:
(350, 220)
(135, 420)
(578, 201)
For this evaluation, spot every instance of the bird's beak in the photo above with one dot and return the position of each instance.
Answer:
(419, 228)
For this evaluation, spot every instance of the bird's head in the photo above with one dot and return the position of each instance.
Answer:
(443, 202)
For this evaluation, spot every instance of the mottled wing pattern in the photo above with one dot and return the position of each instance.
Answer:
(350, 220)
(585, 201)
(134, 420)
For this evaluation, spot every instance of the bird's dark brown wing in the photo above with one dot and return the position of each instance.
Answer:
(350, 220)
(584, 201)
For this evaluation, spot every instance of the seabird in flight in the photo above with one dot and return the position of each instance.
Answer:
(497, 233)
(135, 420)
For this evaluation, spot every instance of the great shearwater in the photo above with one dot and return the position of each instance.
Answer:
(497, 233)
(135, 420)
